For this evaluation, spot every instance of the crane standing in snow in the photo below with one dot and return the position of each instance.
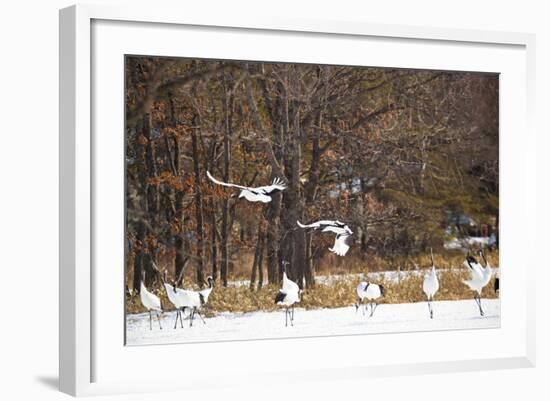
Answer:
(172, 293)
(258, 194)
(430, 285)
(342, 231)
(187, 299)
(371, 292)
(480, 277)
(150, 301)
(288, 295)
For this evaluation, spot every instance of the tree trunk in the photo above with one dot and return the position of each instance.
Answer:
(183, 247)
(146, 205)
(228, 106)
(309, 273)
(258, 260)
(198, 211)
(273, 209)
(153, 198)
(310, 192)
(138, 257)
(260, 263)
(213, 238)
(299, 244)
(181, 242)
(294, 245)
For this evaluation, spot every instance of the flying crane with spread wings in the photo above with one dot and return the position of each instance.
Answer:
(342, 231)
(258, 194)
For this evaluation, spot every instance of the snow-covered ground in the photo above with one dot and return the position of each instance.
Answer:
(388, 318)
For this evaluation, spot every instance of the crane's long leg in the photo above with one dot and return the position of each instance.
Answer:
(176, 322)
(150, 321)
(200, 315)
(292, 318)
(286, 317)
(477, 298)
(480, 308)
(158, 317)
(192, 315)
(375, 307)
(430, 308)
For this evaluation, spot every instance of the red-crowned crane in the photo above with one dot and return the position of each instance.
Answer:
(150, 301)
(288, 295)
(370, 292)
(480, 277)
(430, 285)
(257, 194)
(342, 231)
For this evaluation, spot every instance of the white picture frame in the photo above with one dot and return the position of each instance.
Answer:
(79, 339)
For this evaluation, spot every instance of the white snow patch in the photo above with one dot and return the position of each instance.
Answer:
(467, 242)
(387, 276)
(388, 318)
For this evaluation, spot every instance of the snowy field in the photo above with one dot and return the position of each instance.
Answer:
(388, 318)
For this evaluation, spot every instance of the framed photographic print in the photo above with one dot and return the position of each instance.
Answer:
(251, 188)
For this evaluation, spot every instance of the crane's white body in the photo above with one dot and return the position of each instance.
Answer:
(290, 298)
(258, 194)
(174, 295)
(181, 298)
(342, 231)
(340, 246)
(151, 302)
(288, 295)
(192, 300)
(254, 197)
(370, 292)
(205, 294)
(334, 226)
(480, 276)
(289, 285)
(430, 287)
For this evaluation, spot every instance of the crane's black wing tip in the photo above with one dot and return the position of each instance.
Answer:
(280, 297)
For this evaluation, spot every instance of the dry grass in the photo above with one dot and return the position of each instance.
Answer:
(340, 292)
(331, 264)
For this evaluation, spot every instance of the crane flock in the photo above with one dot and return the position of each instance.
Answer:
(290, 293)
